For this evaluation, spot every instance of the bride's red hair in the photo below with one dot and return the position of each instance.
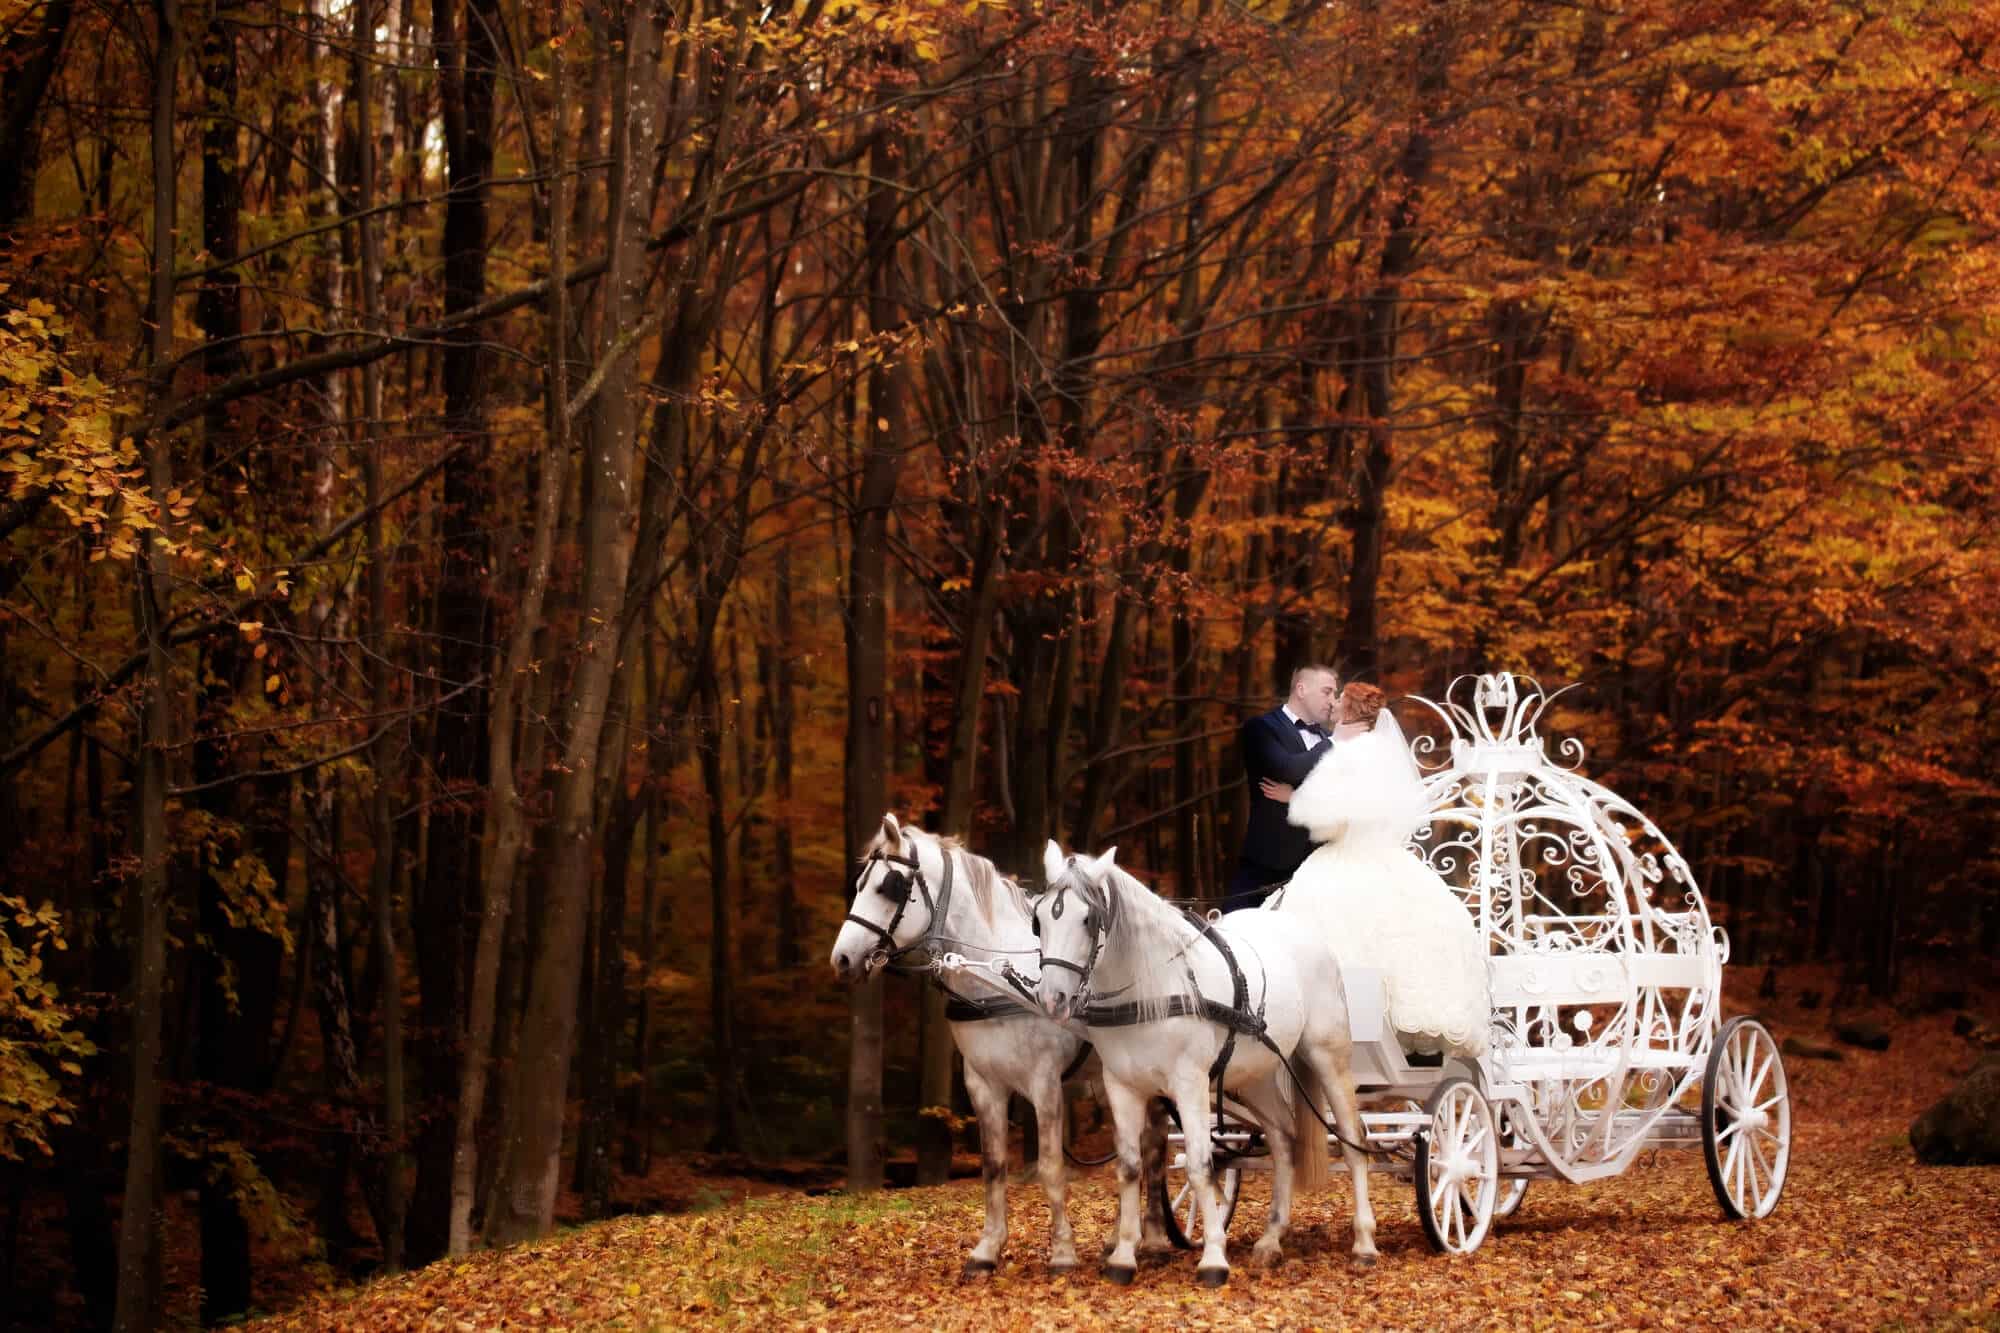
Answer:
(1360, 702)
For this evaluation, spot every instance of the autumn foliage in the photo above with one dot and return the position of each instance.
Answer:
(500, 495)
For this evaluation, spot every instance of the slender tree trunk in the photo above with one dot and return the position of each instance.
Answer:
(783, 719)
(141, 1223)
(639, 1130)
(524, 1203)
(234, 1024)
(466, 33)
(506, 824)
(1373, 371)
(724, 1078)
(29, 54)
(381, 817)
(597, 1131)
(867, 622)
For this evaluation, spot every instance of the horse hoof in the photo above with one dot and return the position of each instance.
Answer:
(977, 1268)
(1211, 1277)
(1264, 1258)
(1120, 1274)
(1061, 1270)
(1362, 1263)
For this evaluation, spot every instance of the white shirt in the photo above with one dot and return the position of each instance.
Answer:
(1296, 722)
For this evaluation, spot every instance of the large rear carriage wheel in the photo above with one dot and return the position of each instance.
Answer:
(1746, 1119)
(1457, 1172)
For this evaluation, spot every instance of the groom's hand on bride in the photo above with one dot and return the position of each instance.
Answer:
(1280, 792)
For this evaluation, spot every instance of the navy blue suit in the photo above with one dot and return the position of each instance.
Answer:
(1274, 747)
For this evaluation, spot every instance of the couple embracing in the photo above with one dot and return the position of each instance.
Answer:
(1335, 797)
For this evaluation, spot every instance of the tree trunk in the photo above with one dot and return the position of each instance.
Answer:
(867, 624)
(381, 816)
(1373, 370)
(29, 55)
(506, 824)
(783, 719)
(524, 1202)
(597, 1129)
(140, 1225)
(724, 1078)
(466, 35)
(234, 1030)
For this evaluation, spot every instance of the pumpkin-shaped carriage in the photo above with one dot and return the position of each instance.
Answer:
(1605, 972)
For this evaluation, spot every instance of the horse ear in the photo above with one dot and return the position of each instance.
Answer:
(1108, 861)
(1052, 862)
(892, 832)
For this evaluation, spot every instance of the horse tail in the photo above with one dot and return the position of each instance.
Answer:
(1309, 1165)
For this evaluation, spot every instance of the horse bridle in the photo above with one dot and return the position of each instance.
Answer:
(1099, 910)
(896, 886)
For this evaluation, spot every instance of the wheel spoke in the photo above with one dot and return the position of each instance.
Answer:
(1757, 1079)
(1737, 1085)
(1475, 1138)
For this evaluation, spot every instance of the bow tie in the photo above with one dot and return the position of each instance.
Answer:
(1312, 728)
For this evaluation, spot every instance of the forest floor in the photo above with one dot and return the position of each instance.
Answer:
(1864, 1238)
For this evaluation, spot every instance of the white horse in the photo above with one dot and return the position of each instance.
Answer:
(917, 892)
(1162, 997)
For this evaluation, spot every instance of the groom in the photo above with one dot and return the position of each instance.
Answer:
(1279, 748)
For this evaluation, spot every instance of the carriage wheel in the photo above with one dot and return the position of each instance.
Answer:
(1746, 1119)
(1458, 1167)
(1182, 1211)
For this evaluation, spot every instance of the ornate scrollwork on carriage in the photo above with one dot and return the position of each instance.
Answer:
(1606, 971)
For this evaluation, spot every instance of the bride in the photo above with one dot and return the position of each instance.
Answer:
(1371, 898)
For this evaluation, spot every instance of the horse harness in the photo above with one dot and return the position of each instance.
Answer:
(1235, 1018)
(957, 1008)
(896, 887)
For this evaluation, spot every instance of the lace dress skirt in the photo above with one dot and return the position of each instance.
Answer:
(1378, 906)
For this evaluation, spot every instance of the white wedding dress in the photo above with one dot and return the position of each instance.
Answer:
(1377, 904)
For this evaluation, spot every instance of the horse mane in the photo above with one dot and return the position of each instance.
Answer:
(991, 891)
(1151, 935)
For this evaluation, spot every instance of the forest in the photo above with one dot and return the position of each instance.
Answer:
(500, 497)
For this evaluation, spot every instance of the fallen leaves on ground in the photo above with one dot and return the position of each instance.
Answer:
(1863, 1238)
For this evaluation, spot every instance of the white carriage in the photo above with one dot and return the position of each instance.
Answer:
(1607, 1037)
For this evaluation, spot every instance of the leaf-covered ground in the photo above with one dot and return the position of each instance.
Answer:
(1864, 1238)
